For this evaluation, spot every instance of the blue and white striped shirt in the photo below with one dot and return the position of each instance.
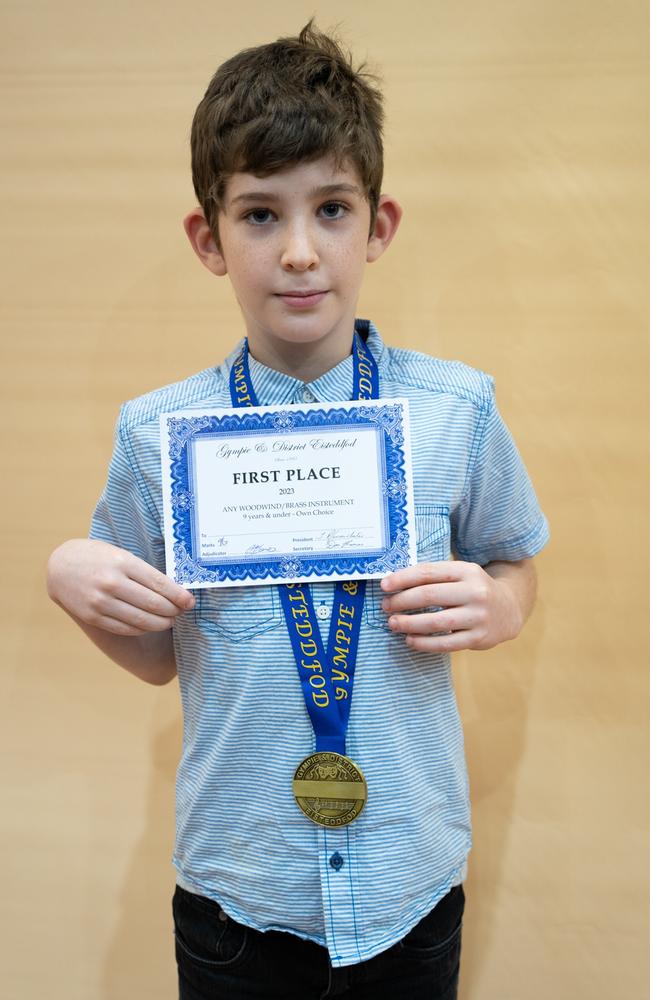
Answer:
(240, 837)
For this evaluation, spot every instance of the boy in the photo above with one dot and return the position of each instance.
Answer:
(287, 167)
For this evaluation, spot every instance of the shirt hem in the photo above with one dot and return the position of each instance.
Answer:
(365, 954)
(196, 887)
(457, 877)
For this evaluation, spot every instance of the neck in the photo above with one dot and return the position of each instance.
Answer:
(306, 362)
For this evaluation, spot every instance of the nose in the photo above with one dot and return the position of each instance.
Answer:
(300, 252)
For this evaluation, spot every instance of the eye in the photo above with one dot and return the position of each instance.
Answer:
(259, 216)
(333, 210)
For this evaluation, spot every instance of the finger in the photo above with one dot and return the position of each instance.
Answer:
(451, 643)
(146, 599)
(422, 573)
(439, 622)
(430, 595)
(148, 576)
(108, 624)
(134, 618)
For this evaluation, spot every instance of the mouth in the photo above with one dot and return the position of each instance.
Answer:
(302, 299)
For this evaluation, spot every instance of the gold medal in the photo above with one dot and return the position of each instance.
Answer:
(329, 788)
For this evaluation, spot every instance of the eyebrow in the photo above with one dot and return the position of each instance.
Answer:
(320, 192)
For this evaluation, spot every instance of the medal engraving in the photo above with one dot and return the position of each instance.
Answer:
(330, 789)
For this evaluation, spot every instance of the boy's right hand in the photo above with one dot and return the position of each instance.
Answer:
(111, 589)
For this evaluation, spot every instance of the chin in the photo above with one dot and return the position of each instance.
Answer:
(301, 333)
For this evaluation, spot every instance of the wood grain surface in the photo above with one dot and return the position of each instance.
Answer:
(518, 143)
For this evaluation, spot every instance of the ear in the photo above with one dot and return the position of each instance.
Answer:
(389, 214)
(203, 242)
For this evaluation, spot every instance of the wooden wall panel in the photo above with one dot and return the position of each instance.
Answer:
(518, 142)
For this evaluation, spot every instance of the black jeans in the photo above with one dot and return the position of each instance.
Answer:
(220, 959)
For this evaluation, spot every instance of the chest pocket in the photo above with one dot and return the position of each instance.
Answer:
(433, 537)
(238, 613)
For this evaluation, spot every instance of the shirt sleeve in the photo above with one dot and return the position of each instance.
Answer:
(125, 514)
(498, 516)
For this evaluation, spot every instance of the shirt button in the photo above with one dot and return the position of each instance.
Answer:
(323, 612)
(336, 861)
(307, 395)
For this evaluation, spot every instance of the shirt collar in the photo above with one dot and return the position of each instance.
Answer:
(273, 387)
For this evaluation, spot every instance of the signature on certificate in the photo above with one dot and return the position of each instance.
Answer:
(255, 550)
(337, 538)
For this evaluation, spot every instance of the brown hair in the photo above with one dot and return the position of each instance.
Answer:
(287, 102)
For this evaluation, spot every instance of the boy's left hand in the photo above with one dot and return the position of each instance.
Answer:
(480, 607)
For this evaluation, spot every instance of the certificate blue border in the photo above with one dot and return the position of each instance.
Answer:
(386, 420)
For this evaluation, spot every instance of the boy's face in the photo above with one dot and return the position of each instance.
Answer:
(295, 245)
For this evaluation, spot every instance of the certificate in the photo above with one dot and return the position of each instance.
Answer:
(287, 494)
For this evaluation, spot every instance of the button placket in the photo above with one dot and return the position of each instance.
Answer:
(339, 907)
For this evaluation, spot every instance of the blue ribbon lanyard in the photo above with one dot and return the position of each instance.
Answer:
(326, 676)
